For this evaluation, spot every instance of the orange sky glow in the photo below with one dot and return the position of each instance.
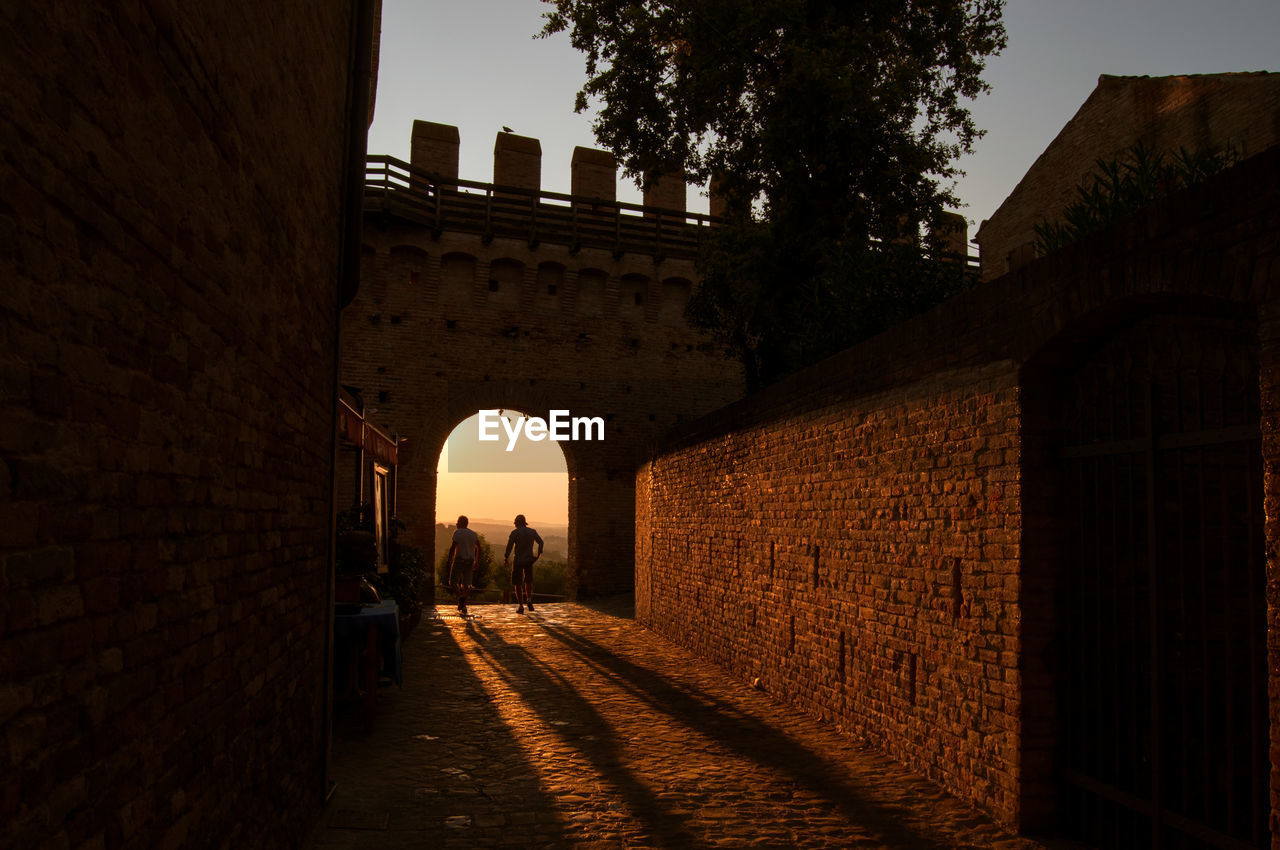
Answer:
(488, 482)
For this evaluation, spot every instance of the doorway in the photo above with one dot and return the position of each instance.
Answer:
(1161, 616)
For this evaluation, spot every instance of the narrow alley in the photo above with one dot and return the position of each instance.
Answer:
(574, 727)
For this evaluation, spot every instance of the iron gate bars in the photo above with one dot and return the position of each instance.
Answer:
(1162, 605)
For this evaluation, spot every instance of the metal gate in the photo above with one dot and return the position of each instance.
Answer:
(1164, 713)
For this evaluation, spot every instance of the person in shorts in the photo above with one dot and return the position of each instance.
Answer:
(464, 556)
(521, 540)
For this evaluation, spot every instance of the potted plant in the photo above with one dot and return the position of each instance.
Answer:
(357, 556)
(405, 582)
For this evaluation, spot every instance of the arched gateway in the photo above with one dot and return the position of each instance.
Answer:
(476, 296)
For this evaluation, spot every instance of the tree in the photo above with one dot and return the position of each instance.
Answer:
(829, 128)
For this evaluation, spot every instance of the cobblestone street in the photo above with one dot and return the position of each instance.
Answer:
(574, 727)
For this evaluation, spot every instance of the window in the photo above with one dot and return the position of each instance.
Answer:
(381, 523)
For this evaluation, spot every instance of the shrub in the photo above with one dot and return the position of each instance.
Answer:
(550, 577)
(1121, 186)
(406, 579)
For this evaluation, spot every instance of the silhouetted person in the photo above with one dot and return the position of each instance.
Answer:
(464, 558)
(522, 539)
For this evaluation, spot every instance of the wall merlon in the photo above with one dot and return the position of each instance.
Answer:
(953, 233)
(434, 148)
(667, 192)
(717, 204)
(517, 162)
(594, 174)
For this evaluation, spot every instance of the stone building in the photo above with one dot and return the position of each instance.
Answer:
(1164, 113)
(502, 296)
(176, 203)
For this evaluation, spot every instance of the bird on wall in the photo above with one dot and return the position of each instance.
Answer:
(507, 129)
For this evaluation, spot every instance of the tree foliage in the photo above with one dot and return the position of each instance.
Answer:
(827, 126)
(1120, 187)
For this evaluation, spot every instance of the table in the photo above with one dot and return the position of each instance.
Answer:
(368, 641)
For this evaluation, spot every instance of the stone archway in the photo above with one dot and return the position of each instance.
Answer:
(444, 326)
(601, 490)
(512, 476)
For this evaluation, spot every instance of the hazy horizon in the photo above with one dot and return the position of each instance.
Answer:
(471, 520)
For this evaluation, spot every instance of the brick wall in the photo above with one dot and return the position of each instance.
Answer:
(1269, 366)
(861, 557)
(1165, 113)
(169, 203)
(857, 538)
(517, 161)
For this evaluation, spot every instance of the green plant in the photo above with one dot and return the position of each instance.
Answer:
(357, 550)
(825, 128)
(407, 578)
(501, 576)
(356, 518)
(1122, 186)
(551, 577)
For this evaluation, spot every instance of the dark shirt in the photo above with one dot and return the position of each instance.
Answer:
(467, 542)
(522, 539)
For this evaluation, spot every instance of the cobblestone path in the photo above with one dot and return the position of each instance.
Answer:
(574, 727)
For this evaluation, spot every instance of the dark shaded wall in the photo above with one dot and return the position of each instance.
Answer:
(859, 541)
(170, 211)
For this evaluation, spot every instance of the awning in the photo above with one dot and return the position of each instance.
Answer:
(365, 434)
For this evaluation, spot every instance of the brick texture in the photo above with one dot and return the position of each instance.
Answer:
(169, 200)
(857, 539)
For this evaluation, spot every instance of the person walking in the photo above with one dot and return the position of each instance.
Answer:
(521, 540)
(464, 557)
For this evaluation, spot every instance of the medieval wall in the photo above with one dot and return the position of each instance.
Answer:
(858, 541)
(450, 322)
(172, 183)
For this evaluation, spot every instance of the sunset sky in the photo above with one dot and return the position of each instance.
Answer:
(476, 65)
(483, 480)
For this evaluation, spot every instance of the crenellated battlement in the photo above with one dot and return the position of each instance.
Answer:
(394, 189)
(517, 163)
(427, 190)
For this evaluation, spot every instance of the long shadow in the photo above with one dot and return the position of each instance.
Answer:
(561, 707)
(440, 764)
(749, 737)
(622, 607)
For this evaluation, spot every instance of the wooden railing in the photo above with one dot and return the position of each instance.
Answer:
(395, 188)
